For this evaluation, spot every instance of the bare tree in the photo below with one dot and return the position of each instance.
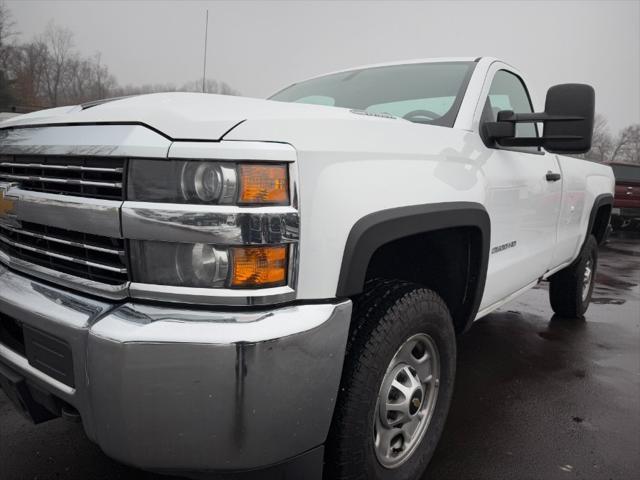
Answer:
(125, 90)
(627, 145)
(602, 142)
(28, 67)
(6, 33)
(78, 81)
(103, 82)
(211, 86)
(87, 79)
(59, 42)
(226, 89)
(49, 71)
(6, 28)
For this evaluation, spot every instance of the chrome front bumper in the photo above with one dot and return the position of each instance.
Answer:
(173, 389)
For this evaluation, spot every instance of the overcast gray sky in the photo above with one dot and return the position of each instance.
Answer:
(258, 47)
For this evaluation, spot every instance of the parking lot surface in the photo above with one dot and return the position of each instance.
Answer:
(536, 397)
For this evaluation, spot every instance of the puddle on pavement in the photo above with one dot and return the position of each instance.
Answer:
(604, 279)
(608, 301)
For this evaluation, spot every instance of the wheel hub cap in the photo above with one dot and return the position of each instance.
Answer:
(406, 400)
(416, 401)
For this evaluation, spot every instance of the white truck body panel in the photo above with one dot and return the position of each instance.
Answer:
(351, 165)
(344, 177)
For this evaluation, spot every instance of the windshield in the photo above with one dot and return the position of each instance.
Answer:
(423, 93)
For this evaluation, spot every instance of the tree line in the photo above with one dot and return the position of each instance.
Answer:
(49, 71)
(606, 147)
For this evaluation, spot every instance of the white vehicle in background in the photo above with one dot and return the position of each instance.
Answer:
(224, 284)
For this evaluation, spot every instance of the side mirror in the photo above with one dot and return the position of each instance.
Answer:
(570, 136)
(567, 119)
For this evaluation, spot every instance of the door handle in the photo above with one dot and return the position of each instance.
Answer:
(553, 177)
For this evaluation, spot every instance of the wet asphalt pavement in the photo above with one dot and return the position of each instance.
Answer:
(536, 397)
(539, 397)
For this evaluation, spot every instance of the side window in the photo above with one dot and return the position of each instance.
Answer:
(507, 92)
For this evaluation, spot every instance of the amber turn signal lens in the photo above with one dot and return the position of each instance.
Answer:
(264, 184)
(254, 267)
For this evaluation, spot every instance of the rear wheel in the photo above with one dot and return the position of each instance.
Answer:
(571, 288)
(396, 387)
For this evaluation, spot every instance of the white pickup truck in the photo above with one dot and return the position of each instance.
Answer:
(229, 285)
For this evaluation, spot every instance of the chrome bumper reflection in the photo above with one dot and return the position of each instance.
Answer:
(166, 388)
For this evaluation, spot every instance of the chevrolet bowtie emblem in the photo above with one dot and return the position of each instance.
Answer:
(7, 206)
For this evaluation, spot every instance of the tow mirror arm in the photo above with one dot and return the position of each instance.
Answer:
(503, 131)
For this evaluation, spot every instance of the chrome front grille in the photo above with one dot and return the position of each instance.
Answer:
(57, 181)
(94, 257)
(92, 177)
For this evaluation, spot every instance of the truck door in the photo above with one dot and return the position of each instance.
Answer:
(523, 194)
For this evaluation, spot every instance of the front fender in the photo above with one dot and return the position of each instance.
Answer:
(377, 229)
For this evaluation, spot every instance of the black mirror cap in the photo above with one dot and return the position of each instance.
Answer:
(570, 99)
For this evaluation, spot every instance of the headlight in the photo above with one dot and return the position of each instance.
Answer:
(180, 264)
(202, 265)
(205, 182)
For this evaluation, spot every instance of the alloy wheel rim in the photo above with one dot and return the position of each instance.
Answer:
(587, 278)
(406, 400)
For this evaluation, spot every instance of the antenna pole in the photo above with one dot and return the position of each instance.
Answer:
(206, 32)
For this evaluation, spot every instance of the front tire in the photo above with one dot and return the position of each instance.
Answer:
(396, 386)
(570, 289)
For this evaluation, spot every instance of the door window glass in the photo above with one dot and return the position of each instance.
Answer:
(507, 92)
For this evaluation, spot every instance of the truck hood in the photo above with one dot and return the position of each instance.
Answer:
(182, 116)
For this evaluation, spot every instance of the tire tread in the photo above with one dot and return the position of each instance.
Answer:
(565, 288)
(381, 308)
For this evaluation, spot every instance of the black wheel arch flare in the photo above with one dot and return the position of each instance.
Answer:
(602, 200)
(373, 231)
